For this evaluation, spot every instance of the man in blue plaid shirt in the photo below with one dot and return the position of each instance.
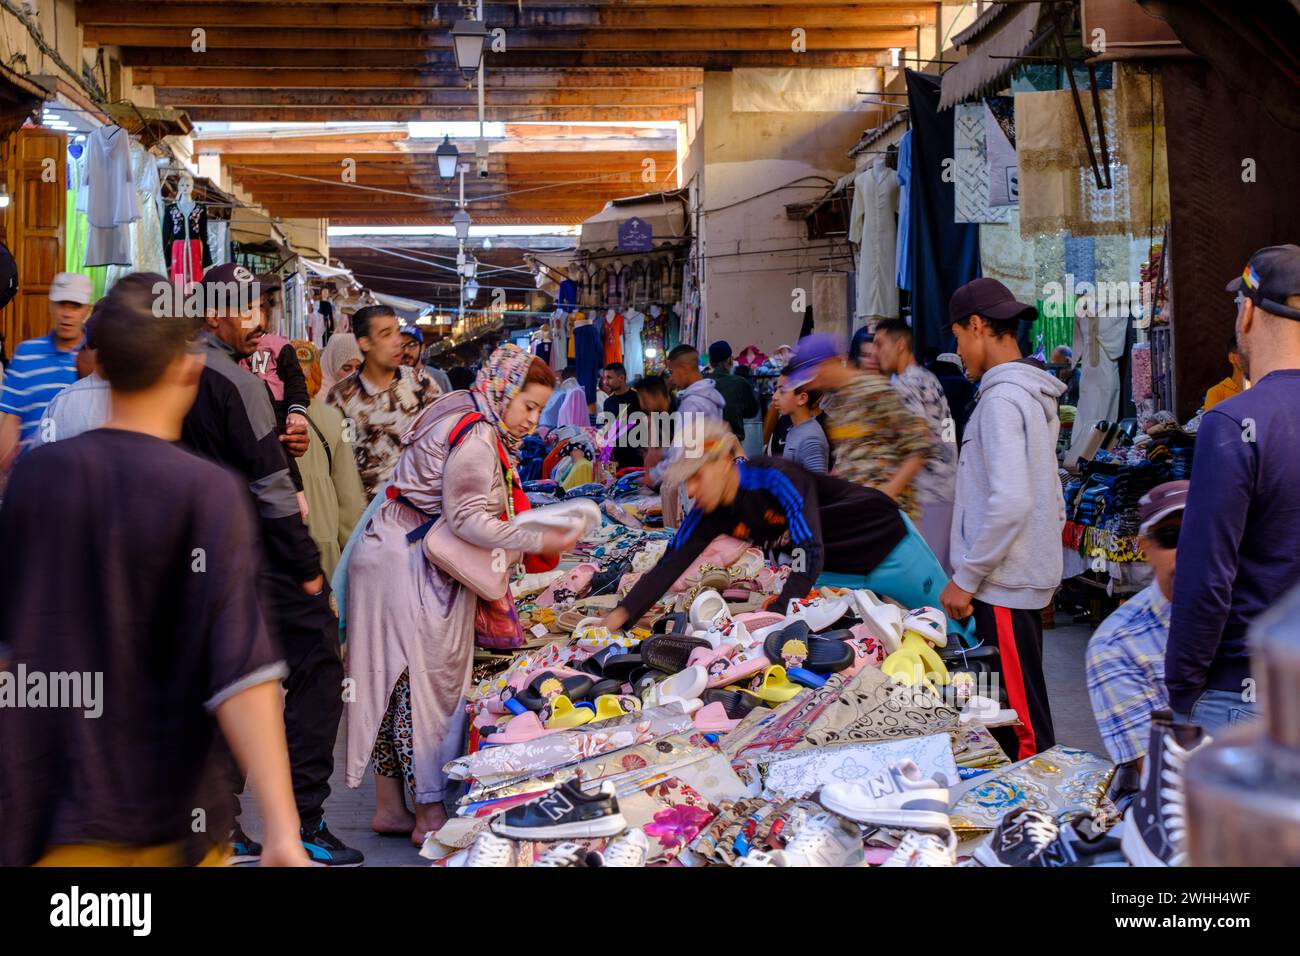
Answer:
(1126, 656)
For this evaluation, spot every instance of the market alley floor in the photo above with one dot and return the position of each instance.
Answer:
(348, 811)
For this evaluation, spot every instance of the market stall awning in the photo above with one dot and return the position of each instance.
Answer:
(992, 45)
(661, 216)
(19, 98)
(406, 308)
(324, 271)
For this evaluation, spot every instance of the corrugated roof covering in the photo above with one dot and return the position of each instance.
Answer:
(1002, 33)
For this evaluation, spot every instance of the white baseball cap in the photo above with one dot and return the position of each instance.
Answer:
(71, 287)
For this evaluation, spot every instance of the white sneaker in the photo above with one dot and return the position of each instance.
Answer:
(819, 613)
(568, 854)
(759, 858)
(492, 850)
(629, 849)
(897, 797)
(925, 849)
(822, 840)
(987, 711)
(883, 620)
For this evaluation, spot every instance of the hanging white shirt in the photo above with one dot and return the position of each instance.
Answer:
(872, 226)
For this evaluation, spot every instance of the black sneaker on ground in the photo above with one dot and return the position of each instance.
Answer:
(1018, 840)
(565, 813)
(243, 849)
(325, 849)
(1155, 825)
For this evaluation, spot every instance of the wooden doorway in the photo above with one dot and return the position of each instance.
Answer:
(34, 165)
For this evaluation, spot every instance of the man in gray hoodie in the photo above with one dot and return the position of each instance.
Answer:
(1009, 510)
(697, 399)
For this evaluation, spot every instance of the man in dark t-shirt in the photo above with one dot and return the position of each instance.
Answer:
(128, 582)
(620, 405)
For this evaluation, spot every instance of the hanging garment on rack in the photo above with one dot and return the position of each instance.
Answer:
(588, 353)
(146, 239)
(872, 227)
(111, 203)
(902, 252)
(185, 242)
(566, 297)
(1098, 347)
(218, 241)
(559, 340)
(612, 337)
(633, 349)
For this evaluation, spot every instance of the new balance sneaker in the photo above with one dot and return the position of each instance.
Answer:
(492, 850)
(564, 813)
(1155, 825)
(759, 858)
(897, 797)
(925, 849)
(325, 849)
(243, 849)
(629, 849)
(822, 840)
(568, 854)
(1031, 838)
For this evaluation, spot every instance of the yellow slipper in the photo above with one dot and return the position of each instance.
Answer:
(609, 706)
(906, 668)
(934, 665)
(564, 714)
(773, 686)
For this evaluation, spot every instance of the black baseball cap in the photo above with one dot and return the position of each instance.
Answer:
(230, 285)
(1270, 277)
(989, 299)
(719, 352)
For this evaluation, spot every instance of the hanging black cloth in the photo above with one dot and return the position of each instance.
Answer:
(177, 229)
(945, 254)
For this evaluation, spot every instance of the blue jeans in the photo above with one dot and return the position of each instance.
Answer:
(1216, 709)
(911, 575)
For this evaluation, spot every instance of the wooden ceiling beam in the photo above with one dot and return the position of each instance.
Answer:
(101, 14)
(442, 114)
(331, 60)
(591, 159)
(499, 79)
(518, 41)
(187, 97)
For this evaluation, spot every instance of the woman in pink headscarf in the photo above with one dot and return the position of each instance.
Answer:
(410, 624)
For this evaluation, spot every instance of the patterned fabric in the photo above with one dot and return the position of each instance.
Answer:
(498, 382)
(971, 193)
(922, 395)
(380, 419)
(804, 772)
(394, 756)
(872, 433)
(1060, 781)
(1126, 672)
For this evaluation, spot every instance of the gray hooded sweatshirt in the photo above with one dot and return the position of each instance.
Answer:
(700, 400)
(1009, 511)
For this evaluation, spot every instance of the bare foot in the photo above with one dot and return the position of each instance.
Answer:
(428, 816)
(387, 823)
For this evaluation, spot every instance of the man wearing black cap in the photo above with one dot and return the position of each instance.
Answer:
(1008, 514)
(1239, 549)
(233, 422)
(741, 402)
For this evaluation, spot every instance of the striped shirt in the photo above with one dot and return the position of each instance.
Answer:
(1126, 672)
(38, 372)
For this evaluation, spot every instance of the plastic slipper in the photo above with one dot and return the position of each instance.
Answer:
(934, 665)
(713, 719)
(929, 623)
(609, 706)
(527, 726)
(729, 665)
(670, 653)
(535, 695)
(684, 686)
(882, 619)
(906, 668)
(818, 613)
(736, 701)
(622, 666)
(564, 714)
(814, 654)
(806, 678)
(707, 607)
(773, 686)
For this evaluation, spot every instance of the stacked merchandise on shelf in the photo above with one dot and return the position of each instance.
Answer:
(841, 730)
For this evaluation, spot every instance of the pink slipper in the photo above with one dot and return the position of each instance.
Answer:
(727, 666)
(712, 719)
(753, 620)
(520, 729)
(723, 551)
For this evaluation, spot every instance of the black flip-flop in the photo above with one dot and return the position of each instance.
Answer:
(670, 652)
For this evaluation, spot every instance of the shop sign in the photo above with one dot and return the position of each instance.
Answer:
(635, 235)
